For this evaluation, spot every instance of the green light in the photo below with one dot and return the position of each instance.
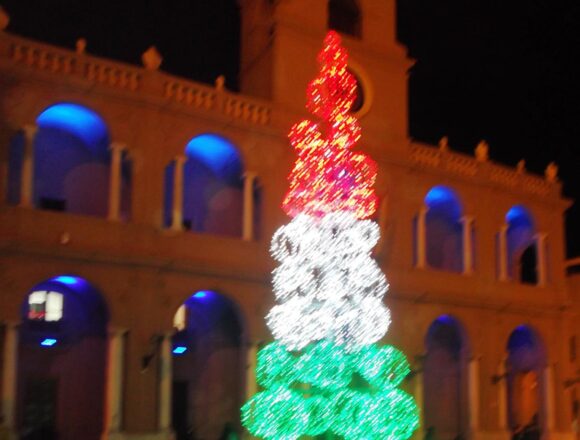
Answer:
(312, 392)
(278, 414)
(327, 366)
(275, 366)
(319, 415)
(383, 366)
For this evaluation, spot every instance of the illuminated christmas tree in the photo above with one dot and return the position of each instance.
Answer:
(325, 372)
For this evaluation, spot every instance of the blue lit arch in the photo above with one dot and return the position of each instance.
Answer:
(443, 200)
(77, 120)
(217, 154)
(526, 362)
(72, 161)
(444, 372)
(443, 229)
(208, 360)
(212, 186)
(69, 354)
(522, 258)
(84, 311)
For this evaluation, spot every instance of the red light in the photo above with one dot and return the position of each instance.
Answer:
(327, 176)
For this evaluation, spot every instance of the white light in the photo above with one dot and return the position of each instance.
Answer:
(327, 284)
(54, 303)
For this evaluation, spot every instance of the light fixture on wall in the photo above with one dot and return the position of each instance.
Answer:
(568, 383)
(497, 378)
(154, 344)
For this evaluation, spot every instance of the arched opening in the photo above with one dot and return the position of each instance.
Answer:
(208, 366)
(443, 230)
(212, 187)
(62, 360)
(71, 163)
(521, 245)
(445, 379)
(526, 363)
(344, 16)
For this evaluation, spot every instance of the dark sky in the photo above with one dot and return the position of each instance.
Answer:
(500, 70)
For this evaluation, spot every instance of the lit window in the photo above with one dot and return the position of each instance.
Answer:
(179, 318)
(45, 306)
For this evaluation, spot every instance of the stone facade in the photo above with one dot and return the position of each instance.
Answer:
(145, 269)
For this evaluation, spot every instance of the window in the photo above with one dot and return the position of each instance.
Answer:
(45, 306)
(179, 320)
(344, 17)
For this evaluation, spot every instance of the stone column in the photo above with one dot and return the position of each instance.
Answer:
(473, 393)
(548, 391)
(115, 180)
(419, 400)
(502, 396)
(113, 414)
(503, 253)
(10, 376)
(251, 361)
(422, 238)
(6, 137)
(177, 212)
(248, 220)
(27, 175)
(165, 382)
(467, 222)
(541, 263)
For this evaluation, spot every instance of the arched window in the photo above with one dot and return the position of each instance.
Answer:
(344, 16)
(525, 378)
(208, 370)
(212, 188)
(443, 229)
(45, 306)
(62, 358)
(521, 245)
(72, 159)
(445, 379)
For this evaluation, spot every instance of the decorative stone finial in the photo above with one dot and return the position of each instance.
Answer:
(220, 82)
(444, 144)
(482, 151)
(551, 172)
(151, 58)
(521, 166)
(81, 45)
(4, 19)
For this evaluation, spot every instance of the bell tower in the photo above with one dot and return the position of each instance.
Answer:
(280, 41)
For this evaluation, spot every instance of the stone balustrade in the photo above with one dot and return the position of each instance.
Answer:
(46, 58)
(462, 164)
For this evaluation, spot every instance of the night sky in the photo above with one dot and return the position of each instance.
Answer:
(499, 70)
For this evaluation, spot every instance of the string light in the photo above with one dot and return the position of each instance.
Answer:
(325, 372)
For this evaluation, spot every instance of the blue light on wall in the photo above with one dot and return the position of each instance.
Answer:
(444, 199)
(519, 216)
(201, 294)
(77, 120)
(67, 279)
(180, 349)
(48, 342)
(216, 153)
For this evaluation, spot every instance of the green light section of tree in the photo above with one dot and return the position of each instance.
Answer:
(313, 392)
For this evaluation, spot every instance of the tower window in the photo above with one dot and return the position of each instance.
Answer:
(344, 16)
(45, 306)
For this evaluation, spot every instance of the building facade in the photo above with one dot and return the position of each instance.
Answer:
(135, 219)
